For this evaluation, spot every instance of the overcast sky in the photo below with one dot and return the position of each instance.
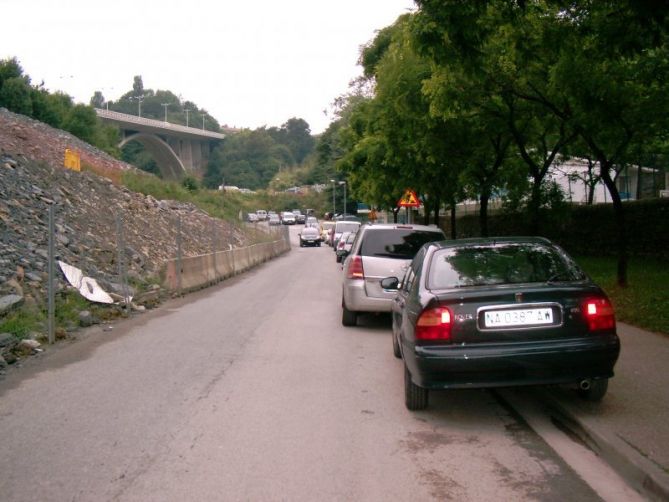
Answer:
(248, 63)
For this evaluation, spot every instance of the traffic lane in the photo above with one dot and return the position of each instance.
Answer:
(316, 410)
(256, 391)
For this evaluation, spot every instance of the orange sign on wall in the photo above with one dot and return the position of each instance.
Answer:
(409, 199)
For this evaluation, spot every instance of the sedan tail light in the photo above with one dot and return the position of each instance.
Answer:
(355, 270)
(434, 324)
(598, 313)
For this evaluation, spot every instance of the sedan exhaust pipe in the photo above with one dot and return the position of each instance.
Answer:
(584, 384)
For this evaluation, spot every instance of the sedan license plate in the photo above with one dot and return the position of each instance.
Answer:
(518, 317)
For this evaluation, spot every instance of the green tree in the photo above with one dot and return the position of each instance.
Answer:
(82, 121)
(15, 95)
(98, 100)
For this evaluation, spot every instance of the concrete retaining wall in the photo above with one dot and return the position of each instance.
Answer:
(203, 270)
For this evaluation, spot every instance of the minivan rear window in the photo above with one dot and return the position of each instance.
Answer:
(396, 243)
(343, 226)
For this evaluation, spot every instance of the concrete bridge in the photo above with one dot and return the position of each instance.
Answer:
(178, 150)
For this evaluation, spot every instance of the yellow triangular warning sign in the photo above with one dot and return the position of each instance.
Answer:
(409, 199)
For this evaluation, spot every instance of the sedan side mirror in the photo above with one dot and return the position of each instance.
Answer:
(390, 283)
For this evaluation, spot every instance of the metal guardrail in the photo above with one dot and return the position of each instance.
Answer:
(158, 124)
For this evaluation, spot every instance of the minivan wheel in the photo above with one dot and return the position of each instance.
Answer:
(596, 391)
(415, 397)
(348, 317)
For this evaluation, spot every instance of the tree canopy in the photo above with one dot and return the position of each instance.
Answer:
(479, 99)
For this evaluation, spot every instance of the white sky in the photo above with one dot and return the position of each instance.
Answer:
(248, 63)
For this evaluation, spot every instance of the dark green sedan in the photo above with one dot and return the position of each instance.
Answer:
(498, 312)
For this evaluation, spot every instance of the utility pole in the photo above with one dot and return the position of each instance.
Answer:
(187, 110)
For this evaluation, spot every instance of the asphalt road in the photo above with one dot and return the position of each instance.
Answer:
(253, 390)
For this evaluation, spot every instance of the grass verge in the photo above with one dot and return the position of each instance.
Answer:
(645, 302)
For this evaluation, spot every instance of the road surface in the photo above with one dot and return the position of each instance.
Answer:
(253, 390)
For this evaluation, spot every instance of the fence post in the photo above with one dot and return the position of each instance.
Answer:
(213, 248)
(120, 244)
(51, 293)
(179, 254)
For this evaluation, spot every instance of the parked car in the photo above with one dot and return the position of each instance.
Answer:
(299, 217)
(496, 312)
(274, 219)
(341, 227)
(287, 218)
(310, 236)
(326, 227)
(344, 245)
(252, 217)
(379, 251)
(262, 214)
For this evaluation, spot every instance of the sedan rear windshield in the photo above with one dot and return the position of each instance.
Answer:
(509, 263)
(396, 242)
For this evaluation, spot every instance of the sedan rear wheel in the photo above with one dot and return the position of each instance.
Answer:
(596, 391)
(415, 397)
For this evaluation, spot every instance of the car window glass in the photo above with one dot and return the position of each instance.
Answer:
(507, 263)
(407, 282)
(396, 243)
(346, 226)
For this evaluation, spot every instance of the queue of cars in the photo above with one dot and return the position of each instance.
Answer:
(481, 313)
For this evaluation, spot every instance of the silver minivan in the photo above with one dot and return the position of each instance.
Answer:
(379, 251)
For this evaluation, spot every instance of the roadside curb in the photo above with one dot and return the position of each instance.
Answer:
(638, 471)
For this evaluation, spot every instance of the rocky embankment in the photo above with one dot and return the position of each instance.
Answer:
(87, 208)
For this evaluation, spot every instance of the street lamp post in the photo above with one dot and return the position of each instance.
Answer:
(187, 110)
(139, 104)
(344, 183)
(333, 198)
(203, 116)
(165, 105)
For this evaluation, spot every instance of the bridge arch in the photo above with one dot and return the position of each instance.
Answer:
(167, 160)
(178, 150)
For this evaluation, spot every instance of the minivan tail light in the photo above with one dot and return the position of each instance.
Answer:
(355, 270)
(599, 314)
(434, 324)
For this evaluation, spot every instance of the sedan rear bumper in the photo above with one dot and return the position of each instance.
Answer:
(500, 365)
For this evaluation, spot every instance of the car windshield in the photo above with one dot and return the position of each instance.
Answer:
(397, 243)
(507, 263)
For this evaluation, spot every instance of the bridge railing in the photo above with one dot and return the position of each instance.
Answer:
(159, 124)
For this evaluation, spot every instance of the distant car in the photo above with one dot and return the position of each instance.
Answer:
(262, 214)
(344, 245)
(287, 218)
(274, 219)
(310, 236)
(341, 227)
(299, 217)
(252, 217)
(479, 313)
(379, 251)
(326, 227)
(312, 221)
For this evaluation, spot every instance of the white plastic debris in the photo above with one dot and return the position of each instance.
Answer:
(88, 287)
